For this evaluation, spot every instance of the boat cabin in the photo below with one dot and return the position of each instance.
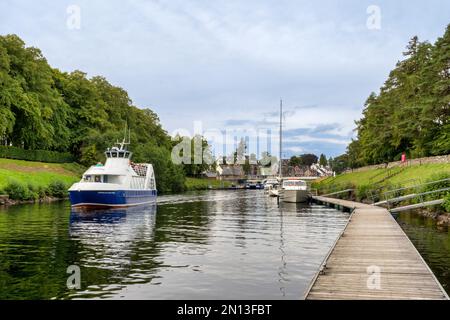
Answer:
(117, 153)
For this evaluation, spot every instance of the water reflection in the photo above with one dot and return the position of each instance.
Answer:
(118, 242)
(432, 241)
(215, 245)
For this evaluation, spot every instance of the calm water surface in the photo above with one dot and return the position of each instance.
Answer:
(206, 245)
(431, 241)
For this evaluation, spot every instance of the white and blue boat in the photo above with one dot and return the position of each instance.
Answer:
(117, 183)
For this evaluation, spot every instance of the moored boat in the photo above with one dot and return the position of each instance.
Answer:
(294, 190)
(117, 183)
(271, 187)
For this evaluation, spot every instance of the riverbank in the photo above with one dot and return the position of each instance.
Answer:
(23, 182)
(369, 186)
(38, 173)
(193, 184)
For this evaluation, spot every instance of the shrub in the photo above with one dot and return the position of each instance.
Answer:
(41, 192)
(32, 191)
(35, 155)
(362, 192)
(446, 204)
(436, 186)
(17, 191)
(57, 189)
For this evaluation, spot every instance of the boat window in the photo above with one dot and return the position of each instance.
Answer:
(294, 183)
(127, 154)
(121, 154)
(114, 154)
(87, 178)
(105, 179)
(98, 179)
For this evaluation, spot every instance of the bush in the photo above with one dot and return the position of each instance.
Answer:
(57, 189)
(35, 155)
(32, 192)
(362, 192)
(436, 186)
(18, 191)
(446, 204)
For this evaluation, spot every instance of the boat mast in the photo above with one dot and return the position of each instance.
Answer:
(281, 137)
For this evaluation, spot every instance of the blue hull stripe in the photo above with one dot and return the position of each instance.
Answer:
(112, 198)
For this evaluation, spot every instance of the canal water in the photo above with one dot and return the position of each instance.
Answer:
(432, 241)
(205, 245)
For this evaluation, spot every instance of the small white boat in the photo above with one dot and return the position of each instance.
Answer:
(273, 192)
(271, 187)
(294, 190)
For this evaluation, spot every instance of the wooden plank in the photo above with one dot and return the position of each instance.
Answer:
(373, 241)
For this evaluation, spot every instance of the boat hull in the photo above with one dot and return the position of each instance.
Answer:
(294, 196)
(108, 199)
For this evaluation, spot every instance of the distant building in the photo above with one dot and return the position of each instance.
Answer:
(210, 175)
(230, 172)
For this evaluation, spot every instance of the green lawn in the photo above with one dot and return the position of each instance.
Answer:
(38, 173)
(203, 184)
(407, 177)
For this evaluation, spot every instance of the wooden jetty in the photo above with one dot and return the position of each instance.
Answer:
(373, 259)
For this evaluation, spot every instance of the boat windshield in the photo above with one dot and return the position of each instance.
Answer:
(95, 178)
(294, 183)
(118, 154)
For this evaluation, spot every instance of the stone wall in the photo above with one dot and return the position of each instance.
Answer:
(418, 161)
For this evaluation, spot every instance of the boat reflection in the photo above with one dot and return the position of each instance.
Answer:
(113, 232)
(110, 215)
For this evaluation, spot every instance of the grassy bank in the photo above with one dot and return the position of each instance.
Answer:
(38, 173)
(29, 180)
(399, 176)
(371, 184)
(204, 184)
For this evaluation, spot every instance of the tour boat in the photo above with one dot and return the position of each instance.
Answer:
(117, 183)
(293, 190)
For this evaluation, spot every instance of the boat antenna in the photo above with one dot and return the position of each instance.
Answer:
(281, 137)
(124, 141)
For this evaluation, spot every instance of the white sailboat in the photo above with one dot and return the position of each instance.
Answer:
(290, 189)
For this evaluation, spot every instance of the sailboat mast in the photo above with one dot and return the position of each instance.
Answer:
(281, 137)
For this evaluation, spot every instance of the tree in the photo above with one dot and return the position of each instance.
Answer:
(412, 110)
(44, 108)
(323, 160)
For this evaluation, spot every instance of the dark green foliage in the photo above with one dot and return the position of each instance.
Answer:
(57, 189)
(18, 191)
(35, 155)
(304, 160)
(362, 192)
(53, 116)
(437, 186)
(446, 204)
(411, 113)
(323, 160)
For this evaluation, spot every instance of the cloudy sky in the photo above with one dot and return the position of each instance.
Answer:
(227, 63)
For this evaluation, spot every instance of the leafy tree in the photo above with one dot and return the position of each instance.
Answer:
(323, 160)
(411, 113)
(44, 108)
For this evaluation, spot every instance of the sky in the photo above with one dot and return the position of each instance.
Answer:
(220, 68)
